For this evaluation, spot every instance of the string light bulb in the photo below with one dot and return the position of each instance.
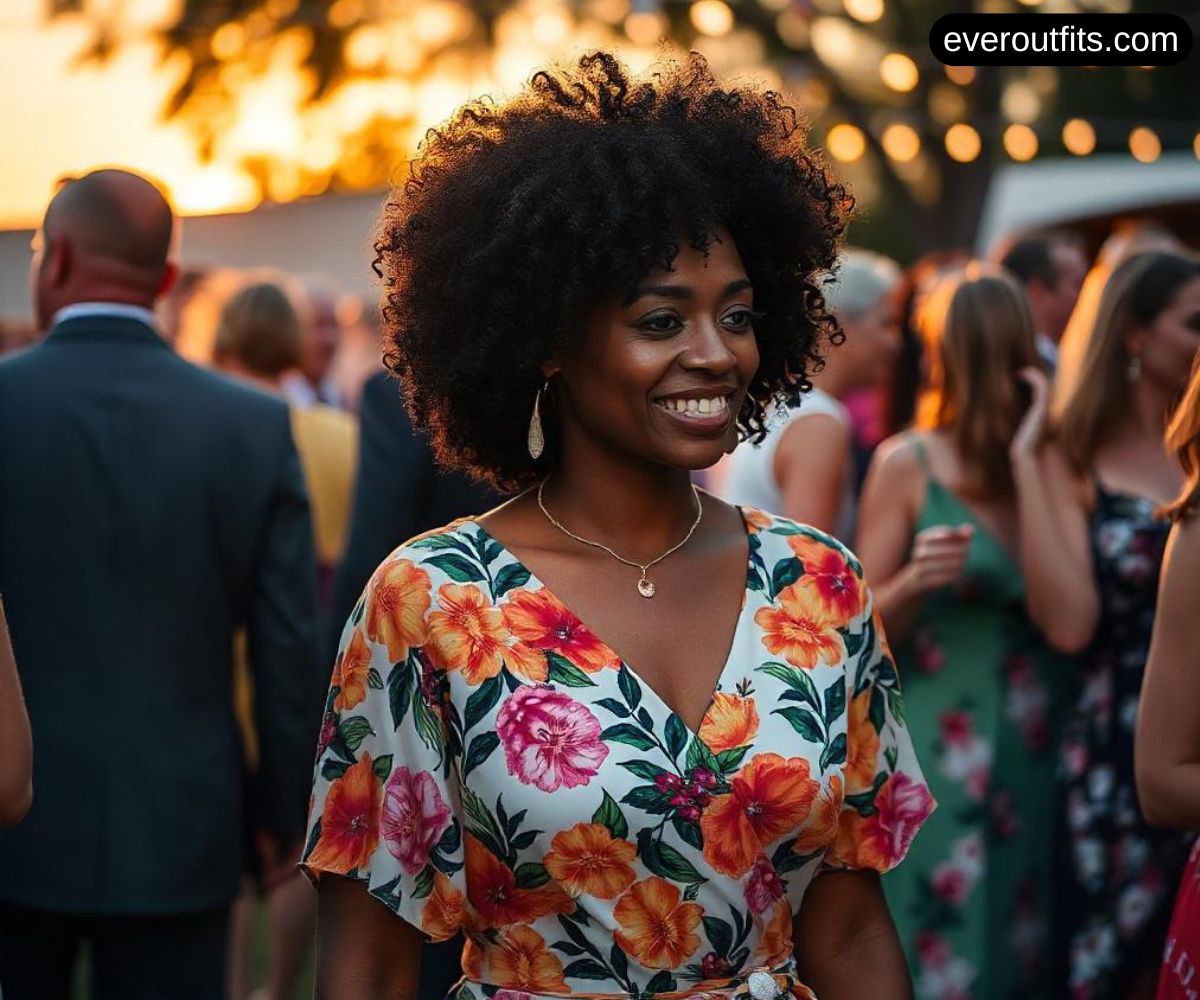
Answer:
(901, 142)
(1144, 144)
(962, 142)
(846, 143)
(1078, 137)
(899, 72)
(1020, 142)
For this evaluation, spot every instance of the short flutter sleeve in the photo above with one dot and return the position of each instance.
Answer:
(886, 799)
(384, 805)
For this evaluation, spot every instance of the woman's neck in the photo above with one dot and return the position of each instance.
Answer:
(640, 511)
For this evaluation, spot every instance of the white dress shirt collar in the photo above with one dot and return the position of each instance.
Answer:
(113, 309)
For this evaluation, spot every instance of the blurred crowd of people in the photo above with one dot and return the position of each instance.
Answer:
(988, 438)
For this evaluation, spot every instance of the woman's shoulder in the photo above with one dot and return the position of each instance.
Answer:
(460, 552)
(778, 534)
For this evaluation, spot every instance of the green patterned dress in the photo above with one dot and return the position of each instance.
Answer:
(973, 903)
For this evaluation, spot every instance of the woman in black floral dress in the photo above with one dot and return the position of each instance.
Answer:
(1092, 548)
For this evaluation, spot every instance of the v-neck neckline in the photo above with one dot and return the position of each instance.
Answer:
(978, 523)
(734, 639)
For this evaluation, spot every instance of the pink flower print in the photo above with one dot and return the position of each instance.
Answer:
(763, 887)
(1026, 703)
(550, 741)
(942, 974)
(950, 883)
(929, 656)
(511, 995)
(414, 818)
(1006, 821)
(903, 804)
(966, 758)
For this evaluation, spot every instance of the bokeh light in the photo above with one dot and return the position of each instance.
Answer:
(1020, 142)
(712, 17)
(1079, 137)
(1144, 144)
(899, 72)
(901, 142)
(846, 143)
(962, 142)
(867, 11)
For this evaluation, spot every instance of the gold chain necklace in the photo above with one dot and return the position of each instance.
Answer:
(645, 586)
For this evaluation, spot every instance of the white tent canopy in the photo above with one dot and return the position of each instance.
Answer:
(1051, 192)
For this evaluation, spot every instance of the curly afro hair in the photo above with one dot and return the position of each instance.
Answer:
(517, 221)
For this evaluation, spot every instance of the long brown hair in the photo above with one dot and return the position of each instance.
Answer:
(1183, 438)
(1090, 399)
(978, 334)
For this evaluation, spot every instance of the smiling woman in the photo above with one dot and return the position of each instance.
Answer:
(630, 739)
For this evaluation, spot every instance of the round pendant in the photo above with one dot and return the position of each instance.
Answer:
(763, 986)
(645, 587)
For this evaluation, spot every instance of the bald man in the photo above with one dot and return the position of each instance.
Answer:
(148, 509)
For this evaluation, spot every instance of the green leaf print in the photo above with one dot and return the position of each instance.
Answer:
(805, 723)
(509, 578)
(677, 736)
(643, 769)
(631, 690)
(609, 815)
(456, 567)
(480, 750)
(699, 755)
(731, 760)
(689, 833)
(786, 572)
(629, 735)
(483, 699)
(331, 770)
(647, 799)
(618, 961)
(835, 702)
(835, 753)
(428, 727)
(800, 685)
(423, 885)
(374, 681)
(586, 968)
(720, 935)
(400, 688)
(389, 893)
(357, 615)
(663, 982)
(354, 730)
(442, 542)
(615, 707)
(382, 766)
(665, 861)
(531, 875)
(564, 672)
(451, 839)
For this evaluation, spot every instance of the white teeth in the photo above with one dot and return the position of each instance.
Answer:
(699, 407)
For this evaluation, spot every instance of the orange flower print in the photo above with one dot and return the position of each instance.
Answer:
(350, 820)
(881, 634)
(522, 961)
(881, 841)
(540, 621)
(801, 629)
(756, 520)
(492, 890)
(821, 828)
(732, 721)
(469, 634)
(586, 859)
(443, 914)
(397, 599)
(840, 590)
(862, 760)
(775, 943)
(350, 673)
(769, 798)
(656, 928)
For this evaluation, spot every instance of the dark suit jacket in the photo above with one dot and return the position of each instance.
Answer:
(400, 492)
(148, 508)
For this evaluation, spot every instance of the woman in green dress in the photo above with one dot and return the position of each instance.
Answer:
(938, 531)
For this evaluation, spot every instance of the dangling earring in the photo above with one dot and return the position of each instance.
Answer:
(1134, 371)
(536, 441)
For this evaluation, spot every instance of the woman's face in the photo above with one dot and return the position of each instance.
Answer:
(662, 375)
(1169, 346)
(871, 345)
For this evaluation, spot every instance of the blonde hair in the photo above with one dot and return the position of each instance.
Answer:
(978, 334)
(1089, 394)
(1183, 438)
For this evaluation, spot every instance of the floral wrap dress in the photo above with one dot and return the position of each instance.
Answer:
(488, 764)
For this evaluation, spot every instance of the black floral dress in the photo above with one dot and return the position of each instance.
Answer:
(1119, 875)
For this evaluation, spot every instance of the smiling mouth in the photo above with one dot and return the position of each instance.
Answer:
(696, 408)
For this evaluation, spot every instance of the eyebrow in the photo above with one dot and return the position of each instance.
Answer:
(682, 292)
